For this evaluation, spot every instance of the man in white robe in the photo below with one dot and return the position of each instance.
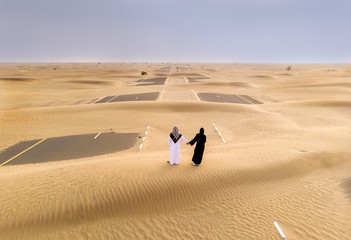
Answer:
(174, 146)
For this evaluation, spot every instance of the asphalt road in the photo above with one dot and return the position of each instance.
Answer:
(151, 96)
(151, 81)
(67, 147)
(227, 98)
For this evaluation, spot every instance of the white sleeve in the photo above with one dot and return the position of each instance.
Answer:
(169, 141)
(184, 140)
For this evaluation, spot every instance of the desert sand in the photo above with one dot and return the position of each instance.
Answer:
(287, 159)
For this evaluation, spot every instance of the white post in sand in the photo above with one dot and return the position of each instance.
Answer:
(147, 129)
(279, 230)
(218, 132)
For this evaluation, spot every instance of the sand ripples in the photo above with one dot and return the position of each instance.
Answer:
(74, 204)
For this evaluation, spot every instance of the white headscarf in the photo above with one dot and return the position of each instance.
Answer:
(175, 132)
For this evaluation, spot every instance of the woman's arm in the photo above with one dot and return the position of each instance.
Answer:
(192, 142)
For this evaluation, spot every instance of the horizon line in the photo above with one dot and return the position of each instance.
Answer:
(174, 62)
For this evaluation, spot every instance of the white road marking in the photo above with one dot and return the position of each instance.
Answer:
(197, 97)
(254, 99)
(206, 75)
(159, 99)
(97, 135)
(96, 100)
(23, 152)
(111, 99)
(279, 230)
(218, 132)
(166, 81)
(245, 99)
(142, 141)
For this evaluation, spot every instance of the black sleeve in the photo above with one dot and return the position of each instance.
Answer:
(192, 142)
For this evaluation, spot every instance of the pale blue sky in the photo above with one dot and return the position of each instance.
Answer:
(175, 30)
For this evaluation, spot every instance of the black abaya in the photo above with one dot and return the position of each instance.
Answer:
(200, 140)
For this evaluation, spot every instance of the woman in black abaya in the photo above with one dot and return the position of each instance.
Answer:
(200, 140)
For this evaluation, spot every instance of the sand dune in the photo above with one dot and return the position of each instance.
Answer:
(287, 159)
(18, 79)
(93, 82)
(322, 103)
(229, 84)
(263, 76)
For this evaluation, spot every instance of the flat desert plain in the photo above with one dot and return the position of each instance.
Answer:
(75, 163)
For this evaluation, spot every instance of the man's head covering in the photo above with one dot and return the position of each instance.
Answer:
(202, 131)
(175, 132)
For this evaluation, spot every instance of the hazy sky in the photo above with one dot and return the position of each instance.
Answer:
(176, 30)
